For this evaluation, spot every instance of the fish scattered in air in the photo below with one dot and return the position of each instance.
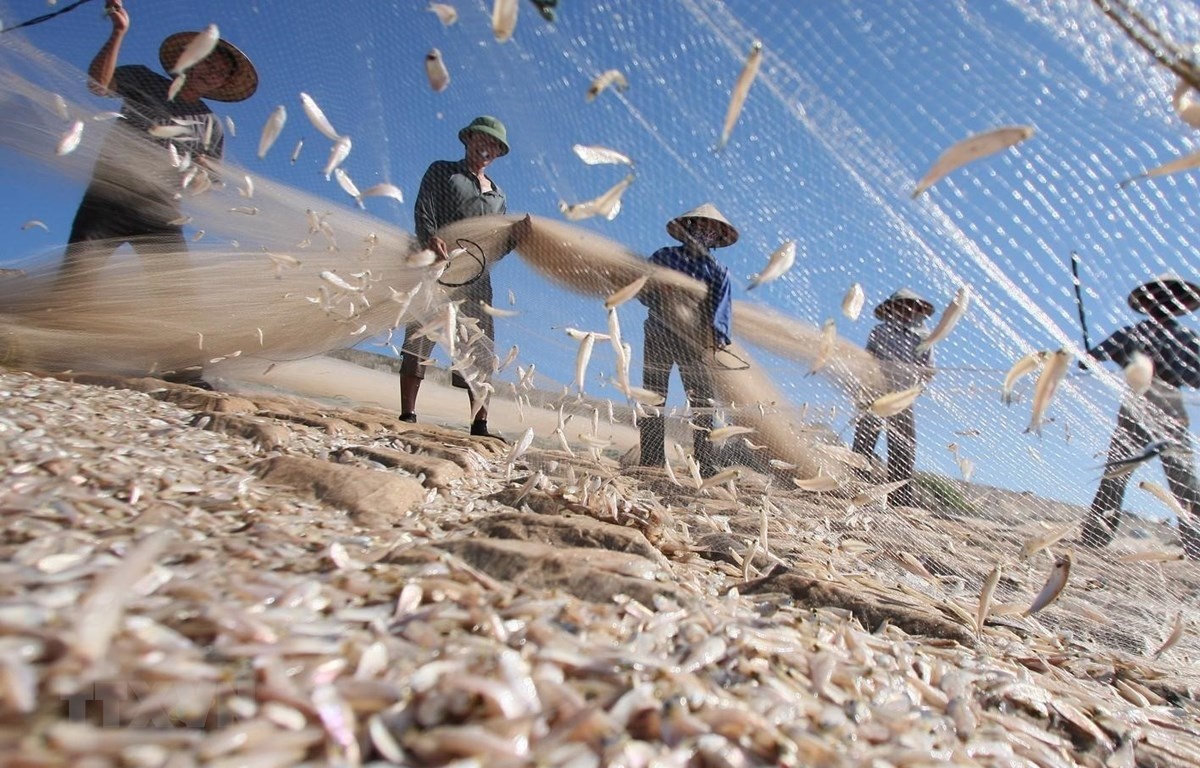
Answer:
(780, 262)
(596, 155)
(949, 318)
(504, 19)
(985, 597)
(70, 140)
(1021, 368)
(1139, 373)
(176, 86)
(1185, 163)
(971, 149)
(895, 402)
(740, 90)
(825, 349)
(35, 223)
(1163, 495)
(59, 105)
(384, 190)
(582, 357)
(820, 483)
(446, 13)
(1037, 543)
(337, 154)
(231, 126)
(348, 186)
(1153, 450)
(296, 151)
(607, 205)
(488, 309)
(197, 50)
(852, 302)
(1054, 585)
(626, 293)
(721, 434)
(247, 191)
(1173, 638)
(435, 70)
(171, 131)
(317, 117)
(1047, 384)
(610, 78)
(271, 130)
(1186, 103)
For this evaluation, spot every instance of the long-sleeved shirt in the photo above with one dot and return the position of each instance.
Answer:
(718, 304)
(449, 193)
(1175, 350)
(895, 344)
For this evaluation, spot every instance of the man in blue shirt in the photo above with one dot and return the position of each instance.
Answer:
(669, 341)
(1159, 414)
(894, 343)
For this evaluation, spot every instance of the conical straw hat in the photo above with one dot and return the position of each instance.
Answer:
(890, 306)
(242, 81)
(1174, 293)
(679, 226)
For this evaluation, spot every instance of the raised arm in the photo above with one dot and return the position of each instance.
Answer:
(100, 72)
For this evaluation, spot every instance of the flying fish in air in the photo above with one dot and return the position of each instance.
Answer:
(595, 155)
(607, 205)
(197, 50)
(435, 70)
(504, 19)
(446, 13)
(271, 130)
(740, 90)
(613, 78)
(780, 262)
(971, 149)
(317, 117)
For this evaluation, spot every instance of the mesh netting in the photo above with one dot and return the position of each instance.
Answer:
(852, 104)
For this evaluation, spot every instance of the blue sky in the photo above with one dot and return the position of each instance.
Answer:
(854, 101)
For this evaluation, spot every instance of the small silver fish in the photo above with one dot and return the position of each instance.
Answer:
(296, 151)
(645, 396)
(231, 126)
(852, 302)
(176, 86)
(1022, 367)
(271, 130)
(780, 262)
(825, 348)
(34, 223)
(384, 190)
(70, 140)
(435, 71)
(582, 357)
(985, 596)
(741, 89)
(1163, 495)
(197, 50)
(317, 117)
(895, 402)
(59, 105)
(595, 155)
(348, 186)
(446, 13)
(488, 309)
(818, 484)
(1139, 373)
(1037, 543)
(1187, 162)
(1052, 375)
(971, 149)
(1055, 583)
(337, 155)
(949, 318)
(610, 78)
(722, 434)
(622, 295)
(504, 19)
(1173, 638)
(607, 205)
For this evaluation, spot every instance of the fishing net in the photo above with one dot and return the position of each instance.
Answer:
(852, 104)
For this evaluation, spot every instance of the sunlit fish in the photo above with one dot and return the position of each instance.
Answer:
(446, 13)
(622, 295)
(852, 302)
(1187, 103)
(488, 309)
(582, 357)
(971, 149)
(35, 223)
(985, 597)
(197, 50)
(59, 106)
(504, 19)
(610, 78)
(1039, 542)
(595, 155)
(296, 151)
(70, 140)
(271, 130)
(740, 90)
(895, 402)
(1173, 638)
(337, 154)
(384, 190)
(607, 205)
(722, 434)
(1020, 369)
(317, 117)
(1187, 162)
(348, 186)
(435, 71)
(1139, 373)
(825, 347)
(1047, 384)
(176, 86)
(1055, 583)
(780, 262)
(949, 318)
(1163, 495)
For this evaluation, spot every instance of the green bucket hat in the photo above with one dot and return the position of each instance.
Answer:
(490, 126)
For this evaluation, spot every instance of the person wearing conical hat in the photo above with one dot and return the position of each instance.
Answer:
(452, 190)
(675, 338)
(1157, 415)
(133, 194)
(894, 343)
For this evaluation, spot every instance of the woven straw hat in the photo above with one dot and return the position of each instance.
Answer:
(903, 298)
(1170, 291)
(679, 226)
(242, 81)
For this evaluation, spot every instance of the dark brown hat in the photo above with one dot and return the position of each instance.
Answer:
(1168, 291)
(901, 300)
(680, 226)
(242, 81)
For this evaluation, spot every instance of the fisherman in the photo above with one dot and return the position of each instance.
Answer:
(134, 193)
(451, 191)
(894, 342)
(670, 340)
(1159, 414)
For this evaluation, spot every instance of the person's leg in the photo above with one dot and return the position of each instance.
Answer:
(902, 456)
(93, 238)
(482, 350)
(698, 384)
(1179, 467)
(1105, 514)
(866, 437)
(656, 377)
(415, 349)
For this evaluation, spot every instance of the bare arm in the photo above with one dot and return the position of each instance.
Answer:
(100, 72)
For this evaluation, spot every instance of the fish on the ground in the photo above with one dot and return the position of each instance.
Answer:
(971, 149)
(985, 596)
(597, 155)
(436, 72)
(741, 89)
(271, 130)
(1056, 582)
(950, 317)
(1026, 365)
(1054, 371)
(317, 117)
(852, 302)
(780, 262)
(612, 78)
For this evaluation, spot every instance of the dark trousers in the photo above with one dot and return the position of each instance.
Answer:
(1158, 415)
(471, 297)
(663, 350)
(901, 449)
